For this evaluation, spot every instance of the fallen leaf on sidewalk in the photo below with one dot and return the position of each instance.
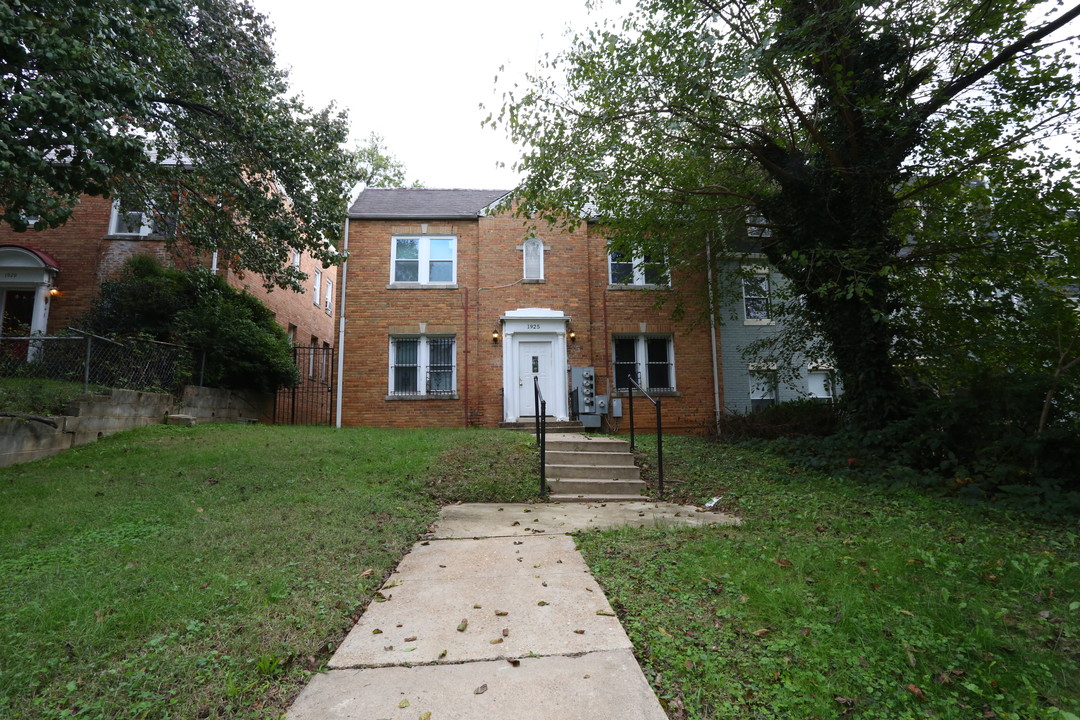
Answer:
(403, 704)
(580, 632)
(496, 641)
(442, 654)
(605, 612)
(506, 632)
(463, 624)
(513, 661)
(425, 716)
(480, 690)
(411, 638)
(501, 613)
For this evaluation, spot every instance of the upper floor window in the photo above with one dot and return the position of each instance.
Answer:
(129, 220)
(756, 293)
(296, 258)
(316, 297)
(648, 359)
(533, 258)
(626, 269)
(328, 299)
(424, 259)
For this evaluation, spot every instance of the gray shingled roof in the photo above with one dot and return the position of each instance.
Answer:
(422, 203)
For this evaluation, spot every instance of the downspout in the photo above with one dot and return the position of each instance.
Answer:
(213, 263)
(712, 330)
(466, 354)
(341, 327)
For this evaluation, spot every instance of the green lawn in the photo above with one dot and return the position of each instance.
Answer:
(835, 599)
(205, 572)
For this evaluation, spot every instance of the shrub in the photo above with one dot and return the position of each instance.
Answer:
(236, 342)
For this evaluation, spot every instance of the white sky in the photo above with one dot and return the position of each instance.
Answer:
(416, 72)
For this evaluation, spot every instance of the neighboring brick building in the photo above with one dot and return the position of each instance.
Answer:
(451, 310)
(50, 278)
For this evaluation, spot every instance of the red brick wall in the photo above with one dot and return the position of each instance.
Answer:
(87, 256)
(488, 277)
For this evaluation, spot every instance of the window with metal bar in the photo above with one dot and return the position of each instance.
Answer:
(654, 353)
(422, 365)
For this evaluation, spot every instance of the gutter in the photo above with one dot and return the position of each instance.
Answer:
(341, 329)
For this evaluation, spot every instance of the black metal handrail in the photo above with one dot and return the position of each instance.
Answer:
(540, 408)
(659, 429)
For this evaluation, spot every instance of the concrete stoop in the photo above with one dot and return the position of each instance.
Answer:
(552, 426)
(587, 469)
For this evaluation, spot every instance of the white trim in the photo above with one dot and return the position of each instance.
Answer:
(534, 325)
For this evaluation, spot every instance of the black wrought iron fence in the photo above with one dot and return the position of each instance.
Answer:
(93, 360)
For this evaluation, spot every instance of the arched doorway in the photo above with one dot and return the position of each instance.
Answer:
(26, 276)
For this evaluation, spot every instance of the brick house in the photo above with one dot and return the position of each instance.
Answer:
(451, 308)
(50, 278)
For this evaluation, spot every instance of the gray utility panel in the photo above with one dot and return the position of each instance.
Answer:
(587, 405)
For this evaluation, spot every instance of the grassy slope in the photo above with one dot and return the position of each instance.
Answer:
(837, 600)
(204, 572)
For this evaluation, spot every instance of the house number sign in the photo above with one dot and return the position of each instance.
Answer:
(532, 326)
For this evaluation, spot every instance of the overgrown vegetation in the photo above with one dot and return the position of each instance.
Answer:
(985, 445)
(837, 599)
(235, 338)
(207, 572)
(37, 397)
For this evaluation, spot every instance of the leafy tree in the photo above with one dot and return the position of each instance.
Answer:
(378, 168)
(177, 107)
(234, 337)
(846, 129)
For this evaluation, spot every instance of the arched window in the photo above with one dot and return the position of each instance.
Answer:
(533, 255)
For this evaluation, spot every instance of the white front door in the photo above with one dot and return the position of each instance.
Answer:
(534, 361)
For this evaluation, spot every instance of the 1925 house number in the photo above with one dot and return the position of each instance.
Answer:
(532, 326)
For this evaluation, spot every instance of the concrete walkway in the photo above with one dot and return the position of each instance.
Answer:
(495, 616)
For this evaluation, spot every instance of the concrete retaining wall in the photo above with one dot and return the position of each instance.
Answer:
(95, 416)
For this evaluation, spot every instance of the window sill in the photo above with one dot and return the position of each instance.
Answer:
(654, 393)
(759, 322)
(532, 281)
(628, 286)
(452, 396)
(421, 286)
(135, 236)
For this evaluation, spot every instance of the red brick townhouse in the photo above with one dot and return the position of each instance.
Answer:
(450, 309)
(49, 278)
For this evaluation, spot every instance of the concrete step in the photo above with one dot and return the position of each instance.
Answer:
(595, 487)
(600, 472)
(584, 444)
(601, 499)
(552, 426)
(557, 456)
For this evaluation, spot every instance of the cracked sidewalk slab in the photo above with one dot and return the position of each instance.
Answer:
(605, 684)
(540, 587)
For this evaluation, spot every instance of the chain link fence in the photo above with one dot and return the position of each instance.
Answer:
(78, 356)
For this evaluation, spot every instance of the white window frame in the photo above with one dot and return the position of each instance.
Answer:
(830, 382)
(641, 360)
(757, 272)
(146, 223)
(316, 297)
(767, 390)
(423, 367)
(423, 260)
(539, 244)
(638, 263)
(328, 297)
(296, 258)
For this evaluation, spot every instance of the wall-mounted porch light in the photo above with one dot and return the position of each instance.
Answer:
(55, 292)
(495, 335)
(573, 336)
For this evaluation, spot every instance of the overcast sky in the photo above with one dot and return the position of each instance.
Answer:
(416, 72)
